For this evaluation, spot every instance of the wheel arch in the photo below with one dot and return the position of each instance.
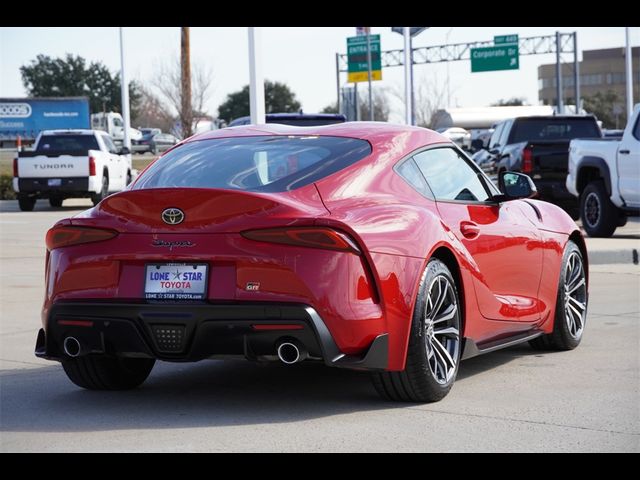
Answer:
(590, 169)
(446, 256)
(578, 239)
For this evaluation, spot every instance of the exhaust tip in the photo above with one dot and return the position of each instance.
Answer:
(288, 353)
(71, 347)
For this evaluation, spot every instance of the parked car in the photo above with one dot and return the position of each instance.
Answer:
(539, 147)
(154, 141)
(605, 176)
(297, 119)
(70, 164)
(367, 246)
(459, 136)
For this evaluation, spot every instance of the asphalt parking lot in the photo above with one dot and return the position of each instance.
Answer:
(511, 400)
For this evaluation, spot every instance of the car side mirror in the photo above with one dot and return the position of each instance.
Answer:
(124, 151)
(515, 185)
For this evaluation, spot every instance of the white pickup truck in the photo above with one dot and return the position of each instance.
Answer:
(605, 175)
(70, 164)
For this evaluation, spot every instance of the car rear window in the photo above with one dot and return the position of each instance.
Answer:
(263, 163)
(532, 129)
(67, 143)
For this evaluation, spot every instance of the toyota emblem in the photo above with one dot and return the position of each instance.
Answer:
(173, 216)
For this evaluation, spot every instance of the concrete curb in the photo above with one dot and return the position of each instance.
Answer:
(601, 257)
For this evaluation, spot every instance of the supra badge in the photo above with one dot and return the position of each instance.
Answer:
(172, 216)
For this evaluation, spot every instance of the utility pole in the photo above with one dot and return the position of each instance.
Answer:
(629, 73)
(368, 30)
(576, 72)
(124, 95)
(256, 81)
(186, 115)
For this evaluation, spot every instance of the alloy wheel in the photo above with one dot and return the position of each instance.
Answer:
(442, 329)
(592, 209)
(575, 295)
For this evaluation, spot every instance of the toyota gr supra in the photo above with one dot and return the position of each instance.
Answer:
(367, 246)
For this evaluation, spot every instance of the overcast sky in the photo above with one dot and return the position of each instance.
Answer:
(304, 58)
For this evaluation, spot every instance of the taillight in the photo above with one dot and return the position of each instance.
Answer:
(65, 236)
(92, 167)
(15, 167)
(527, 159)
(313, 237)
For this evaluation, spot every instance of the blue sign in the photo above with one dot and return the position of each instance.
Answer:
(27, 117)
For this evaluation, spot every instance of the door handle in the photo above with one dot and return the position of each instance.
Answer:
(469, 229)
(624, 152)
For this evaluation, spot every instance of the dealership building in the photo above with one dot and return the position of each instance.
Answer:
(600, 71)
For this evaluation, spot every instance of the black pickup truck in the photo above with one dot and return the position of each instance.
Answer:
(539, 147)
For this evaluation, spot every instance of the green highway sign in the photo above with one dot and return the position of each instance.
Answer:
(501, 57)
(501, 39)
(357, 58)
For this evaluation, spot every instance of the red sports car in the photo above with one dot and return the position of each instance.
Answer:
(361, 245)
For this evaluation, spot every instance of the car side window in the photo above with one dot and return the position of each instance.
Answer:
(636, 129)
(450, 177)
(411, 173)
(109, 144)
(506, 129)
(495, 136)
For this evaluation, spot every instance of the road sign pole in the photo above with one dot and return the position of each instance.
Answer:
(338, 81)
(256, 81)
(371, 117)
(355, 101)
(407, 75)
(560, 101)
(413, 96)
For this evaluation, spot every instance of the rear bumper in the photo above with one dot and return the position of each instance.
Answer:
(191, 332)
(70, 186)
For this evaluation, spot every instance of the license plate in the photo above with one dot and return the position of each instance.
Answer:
(54, 182)
(175, 281)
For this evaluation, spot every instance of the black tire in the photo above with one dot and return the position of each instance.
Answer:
(96, 198)
(129, 178)
(55, 202)
(418, 382)
(599, 216)
(26, 203)
(562, 337)
(107, 373)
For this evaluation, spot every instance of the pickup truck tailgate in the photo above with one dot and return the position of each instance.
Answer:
(42, 166)
(550, 157)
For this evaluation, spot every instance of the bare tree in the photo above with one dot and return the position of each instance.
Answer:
(430, 96)
(167, 78)
(152, 112)
(381, 106)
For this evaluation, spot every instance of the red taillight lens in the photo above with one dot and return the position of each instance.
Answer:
(65, 236)
(314, 237)
(527, 159)
(15, 167)
(92, 167)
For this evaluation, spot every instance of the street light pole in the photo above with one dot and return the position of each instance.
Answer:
(629, 74)
(408, 94)
(256, 81)
(124, 93)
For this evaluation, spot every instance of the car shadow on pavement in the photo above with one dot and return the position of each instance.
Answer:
(205, 394)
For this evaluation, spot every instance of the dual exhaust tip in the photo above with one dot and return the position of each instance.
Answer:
(72, 347)
(291, 351)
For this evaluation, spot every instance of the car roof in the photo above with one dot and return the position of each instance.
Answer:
(402, 138)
